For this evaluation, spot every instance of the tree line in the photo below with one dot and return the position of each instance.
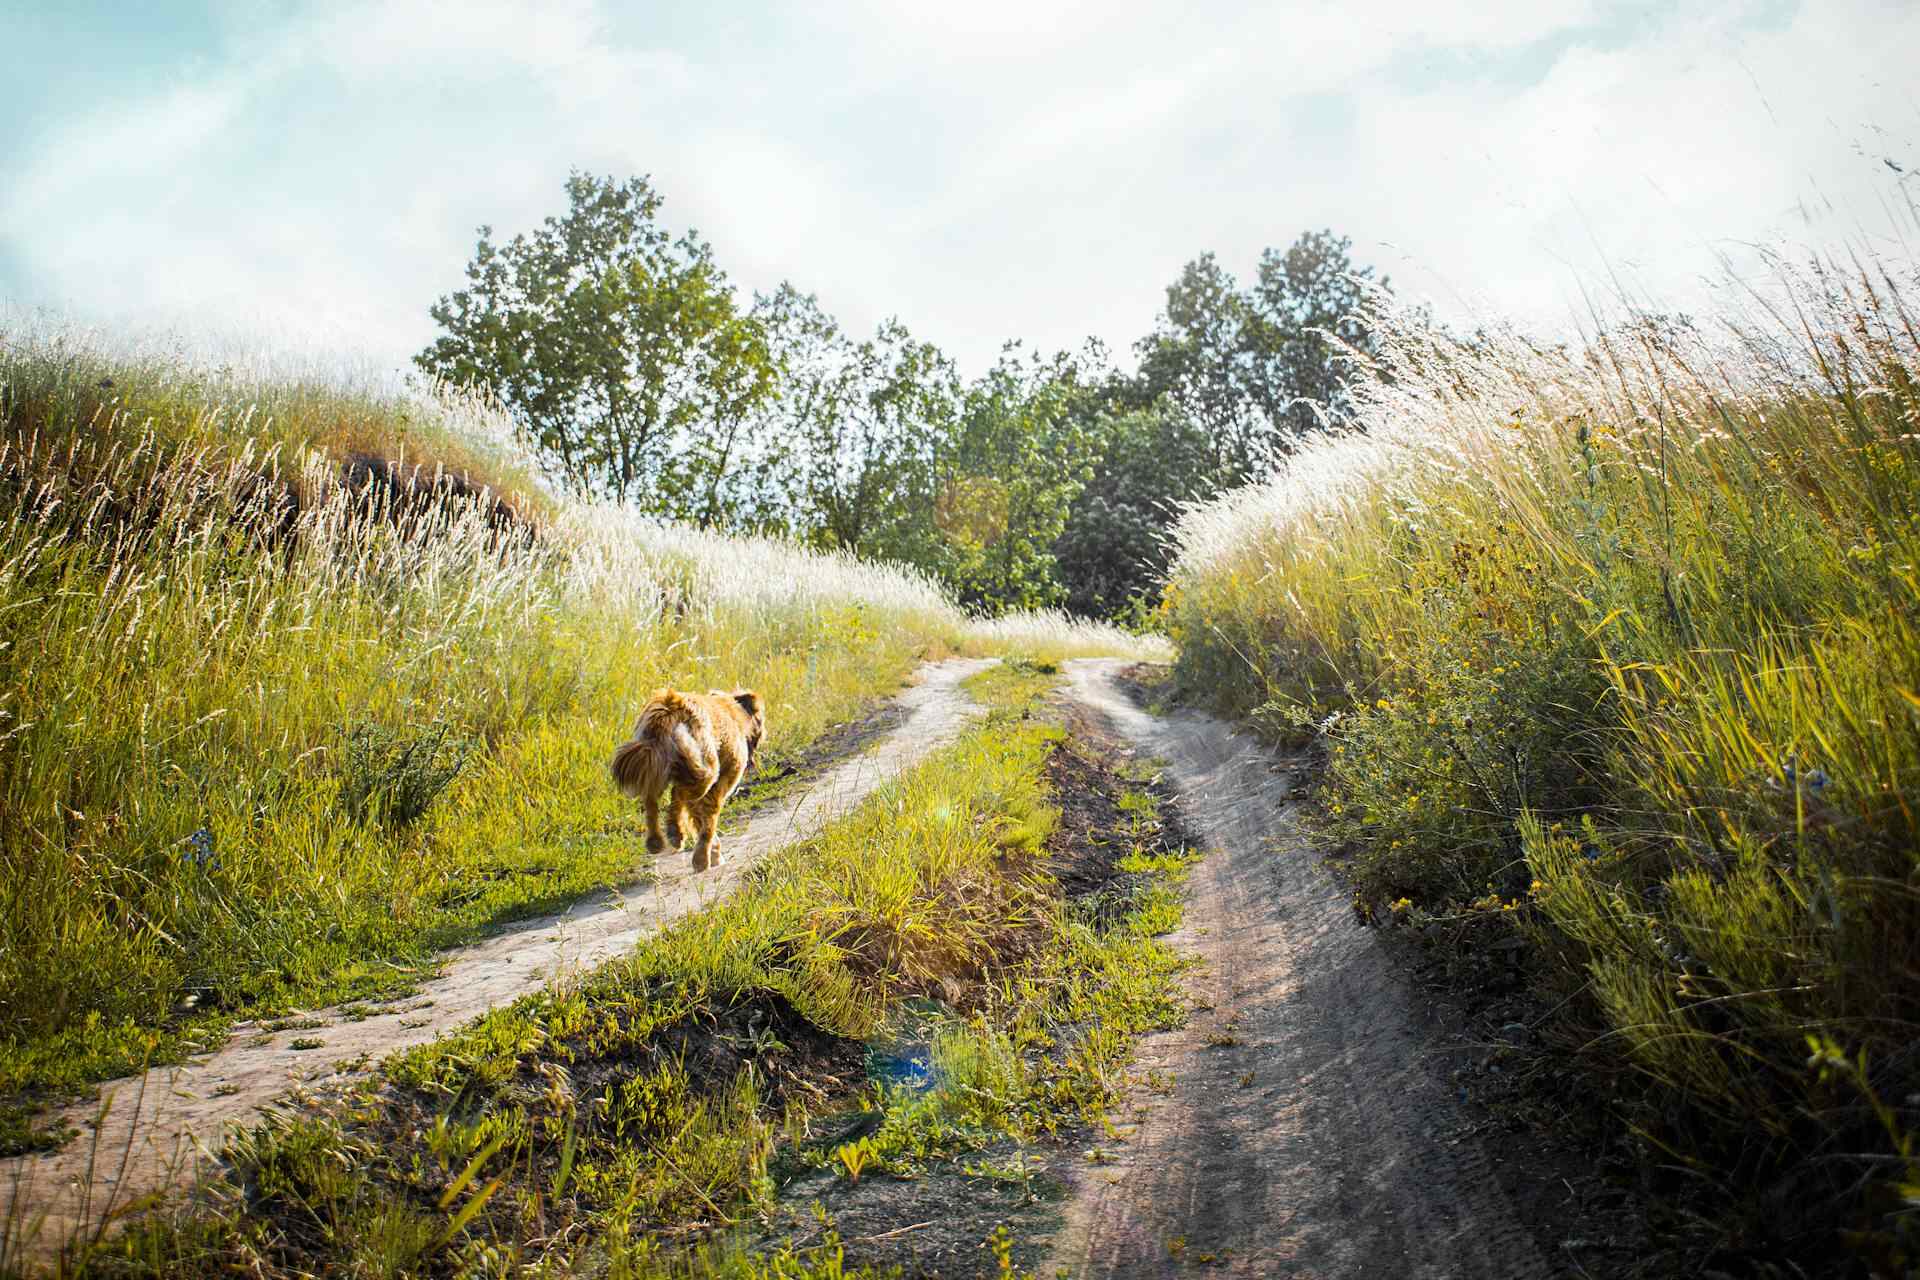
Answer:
(635, 372)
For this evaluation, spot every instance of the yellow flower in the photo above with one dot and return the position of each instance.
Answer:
(1384, 705)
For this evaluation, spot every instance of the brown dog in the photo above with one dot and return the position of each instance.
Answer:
(697, 744)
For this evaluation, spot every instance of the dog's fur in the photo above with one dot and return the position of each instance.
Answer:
(697, 746)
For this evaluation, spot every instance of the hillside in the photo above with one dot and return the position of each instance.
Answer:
(304, 684)
(1613, 650)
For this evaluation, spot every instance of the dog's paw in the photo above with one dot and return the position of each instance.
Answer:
(702, 856)
(675, 837)
(656, 844)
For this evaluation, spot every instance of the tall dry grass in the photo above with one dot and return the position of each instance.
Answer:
(1622, 638)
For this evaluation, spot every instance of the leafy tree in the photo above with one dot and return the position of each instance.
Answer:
(1299, 297)
(1021, 451)
(1113, 550)
(1228, 381)
(618, 348)
(1198, 358)
(860, 428)
(1250, 366)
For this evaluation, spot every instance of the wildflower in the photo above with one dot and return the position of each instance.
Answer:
(1384, 705)
(1814, 780)
(199, 851)
(1537, 888)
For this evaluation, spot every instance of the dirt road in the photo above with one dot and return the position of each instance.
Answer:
(1297, 1130)
(159, 1127)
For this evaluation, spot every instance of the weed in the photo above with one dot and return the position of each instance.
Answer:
(854, 1156)
(392, 775)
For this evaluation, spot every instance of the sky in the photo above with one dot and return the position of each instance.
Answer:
(311, 176)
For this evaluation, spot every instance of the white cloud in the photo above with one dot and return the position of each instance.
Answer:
(1014, 168)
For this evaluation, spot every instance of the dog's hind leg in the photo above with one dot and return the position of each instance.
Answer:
(706, 812)
(681, 803)
(656, 843)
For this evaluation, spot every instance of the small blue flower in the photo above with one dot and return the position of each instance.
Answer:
(1591, 852)
(1814, 780)
(199, 851)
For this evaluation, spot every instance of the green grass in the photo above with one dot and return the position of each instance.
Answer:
(1622, 644)
(260, 746)
(1015, 683)
(588, 1130)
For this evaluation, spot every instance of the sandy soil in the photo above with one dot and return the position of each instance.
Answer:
(157, 1129)
(1296, 1128)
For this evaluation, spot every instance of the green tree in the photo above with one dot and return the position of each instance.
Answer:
(1021, 451)
(1198, 359)
(1228, 382)
(1113, 549)
(617, 347)
(1301, 302)
(1254, 368)
(860, 427)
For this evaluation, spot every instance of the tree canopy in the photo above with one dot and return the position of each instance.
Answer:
(627, 361)
(615, 345)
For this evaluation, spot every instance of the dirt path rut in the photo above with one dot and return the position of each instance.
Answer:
(1301, 1133)
(159, 1127)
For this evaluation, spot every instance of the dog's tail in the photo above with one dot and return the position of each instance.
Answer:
(663, 750)
(640, 767)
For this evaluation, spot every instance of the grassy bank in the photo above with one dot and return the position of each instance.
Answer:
(277, 719)
(1620, 643)
(609, 1128)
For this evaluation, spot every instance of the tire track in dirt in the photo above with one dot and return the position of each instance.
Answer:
(159, 1128)
(1297, 1129)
